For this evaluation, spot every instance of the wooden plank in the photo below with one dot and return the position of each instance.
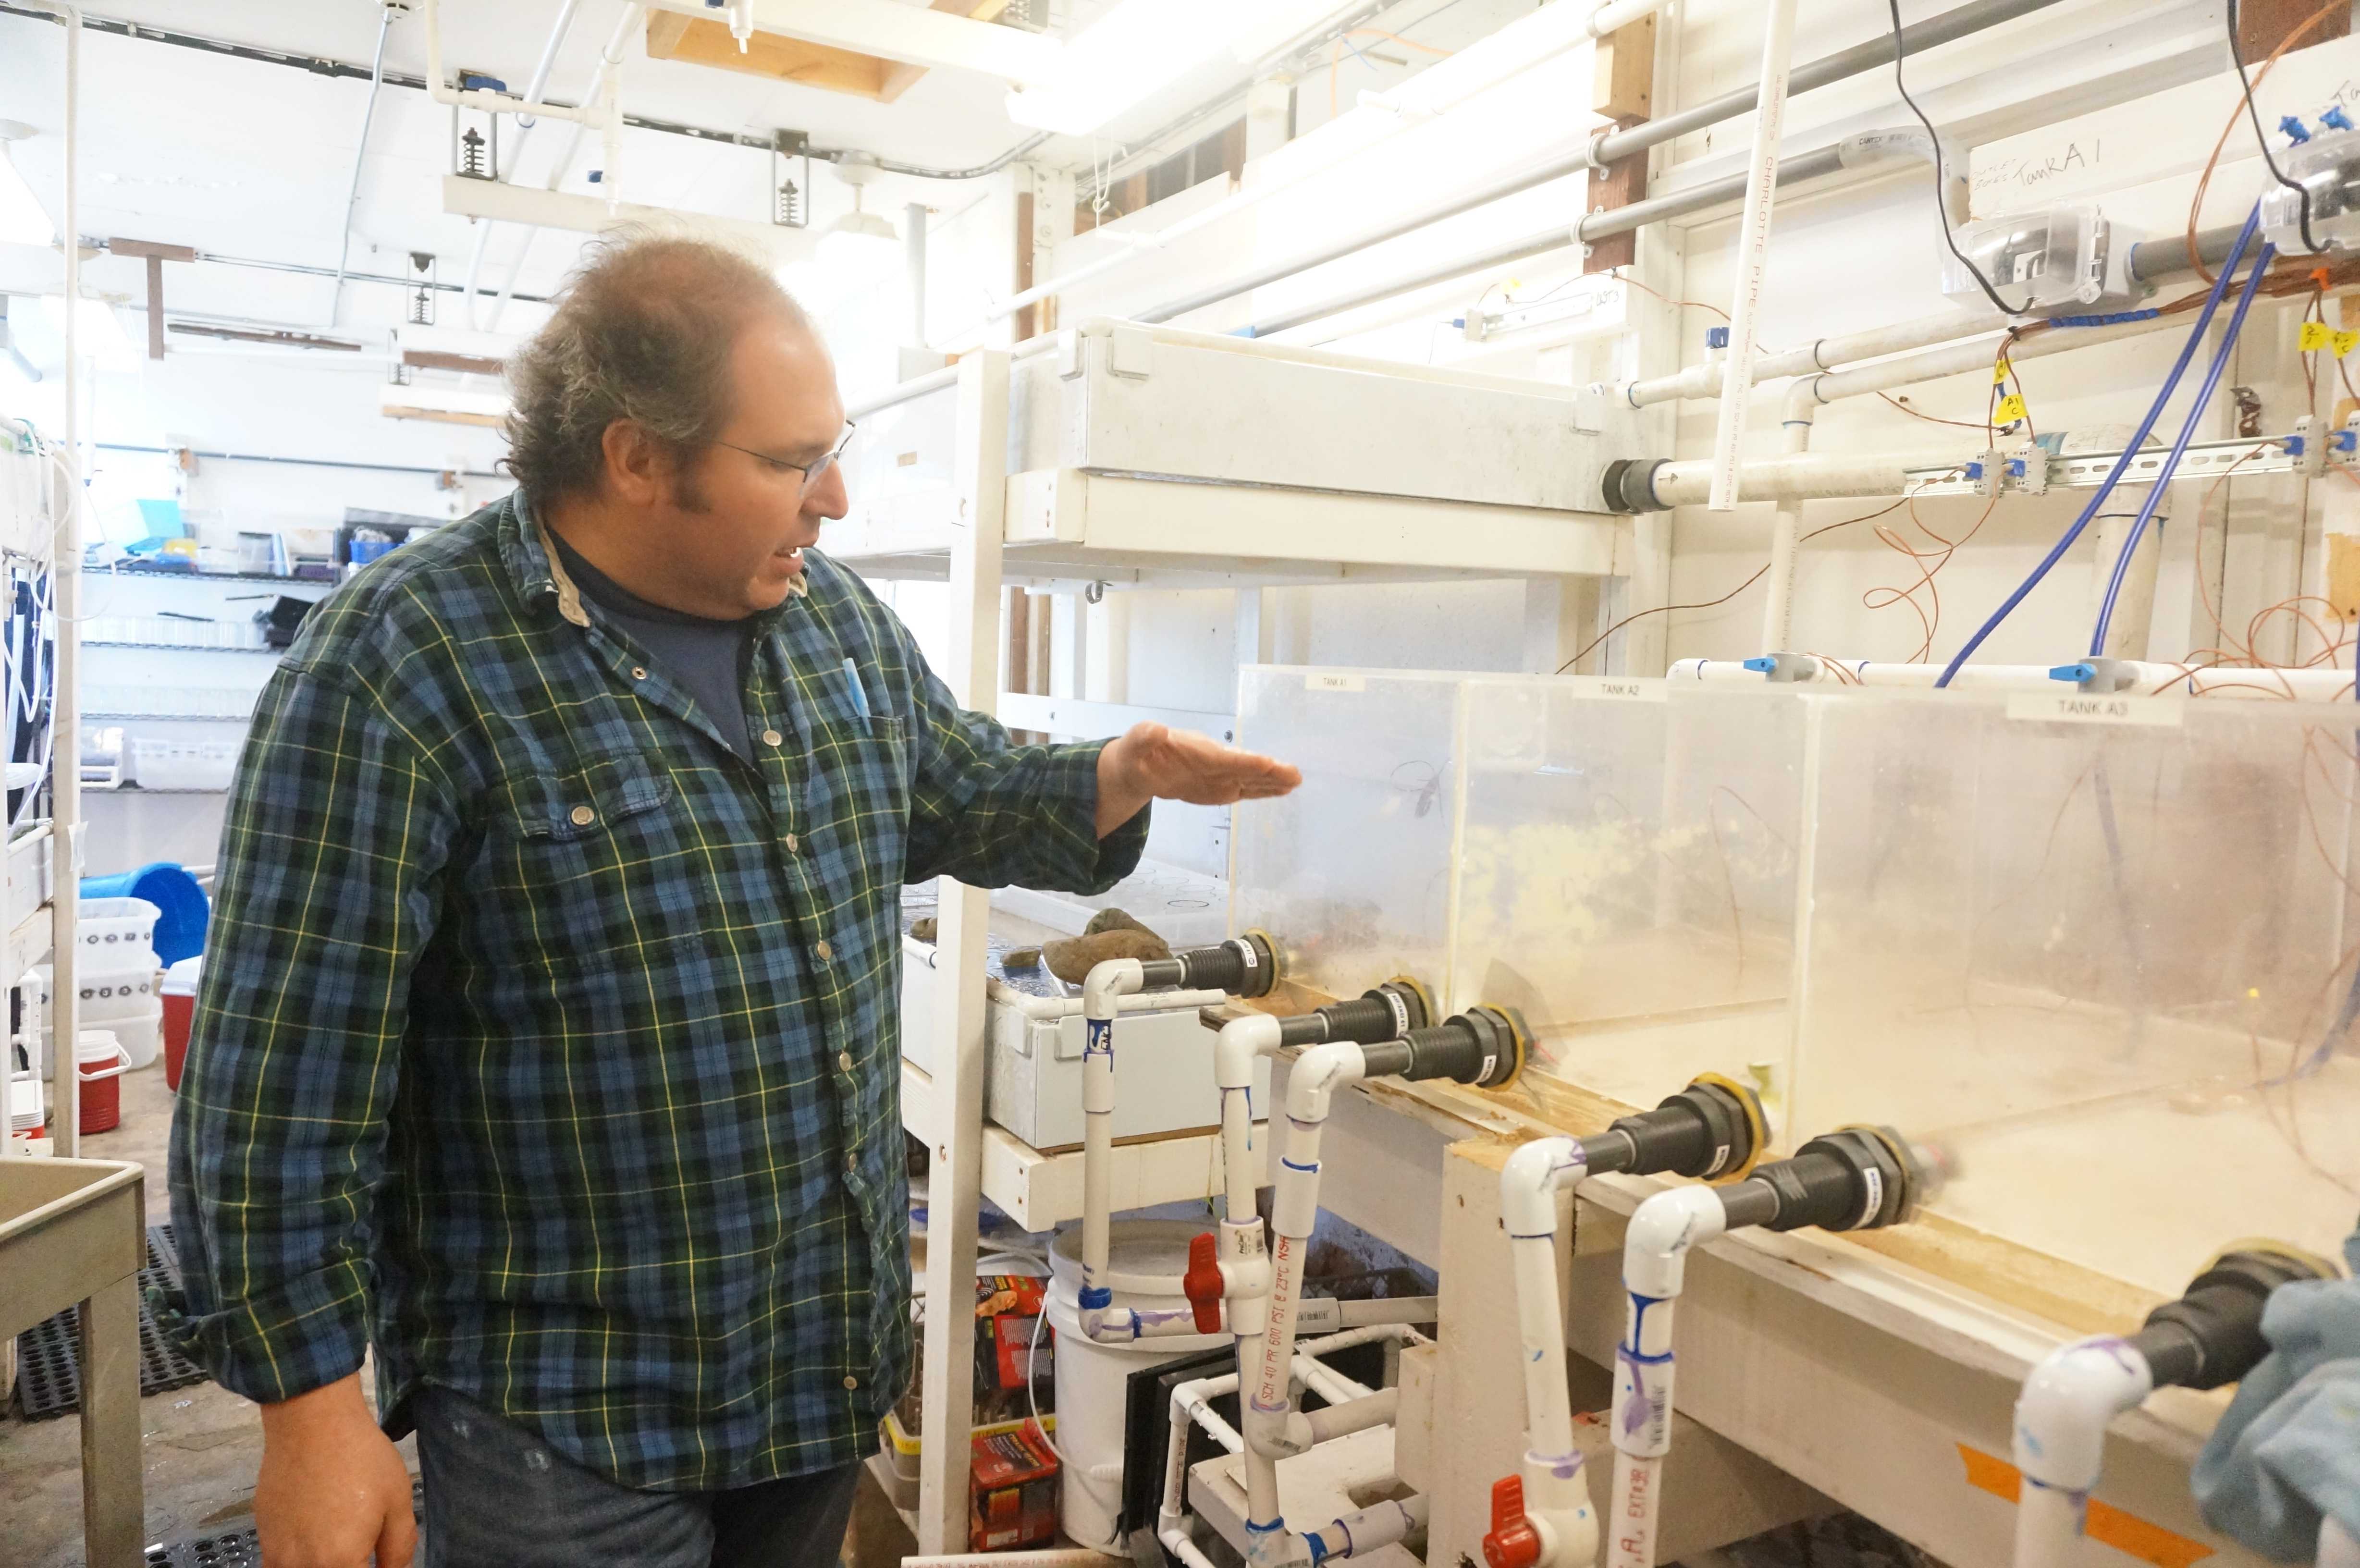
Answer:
(1619, 184)
(696, 41)
(2262, 25)
(1626, 71)
(699, 41)
(151, 249)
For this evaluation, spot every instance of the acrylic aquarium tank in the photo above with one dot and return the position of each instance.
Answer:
(1351, 873)
(1626, 878)
(2108, 959)
(1614, 859)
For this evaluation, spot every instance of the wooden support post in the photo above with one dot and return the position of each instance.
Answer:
(955, 1156)
(1624, 93)
(114, 1522)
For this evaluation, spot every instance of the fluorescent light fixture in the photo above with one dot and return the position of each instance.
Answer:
(22, 220)
(99, 331)
(1142, 47)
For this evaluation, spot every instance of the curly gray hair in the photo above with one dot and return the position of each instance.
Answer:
(643, 332)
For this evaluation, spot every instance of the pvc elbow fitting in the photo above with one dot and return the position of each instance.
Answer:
(1529, 1181)
(1107, 982)
(1656, 1247)
(1239, 1043)
(1275, 1434)
(1318, 1073)
(2062, 1415)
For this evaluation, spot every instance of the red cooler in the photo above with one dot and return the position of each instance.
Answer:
(179, 992)
(101, 1062)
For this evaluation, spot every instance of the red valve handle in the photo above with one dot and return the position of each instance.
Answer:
(1513, 1541)
(1202, 1284)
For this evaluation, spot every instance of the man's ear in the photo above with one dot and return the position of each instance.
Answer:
(636, 468)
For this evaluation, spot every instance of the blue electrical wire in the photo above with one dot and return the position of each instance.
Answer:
(2178, 449)
(2123, 462)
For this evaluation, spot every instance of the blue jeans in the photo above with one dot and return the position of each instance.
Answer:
(497, 1496)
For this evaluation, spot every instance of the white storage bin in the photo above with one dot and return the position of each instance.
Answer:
(114, 929)
(142, 1033)
(159, 764)
(105, 998)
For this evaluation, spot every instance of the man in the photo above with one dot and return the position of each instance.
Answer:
(548, 1038)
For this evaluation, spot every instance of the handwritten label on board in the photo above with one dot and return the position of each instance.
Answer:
(1335, 682)
(2087, 708)
(2011, 409)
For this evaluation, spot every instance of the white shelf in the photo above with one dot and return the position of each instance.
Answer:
(1072, 525)
(181, 646)
(1040, 1191)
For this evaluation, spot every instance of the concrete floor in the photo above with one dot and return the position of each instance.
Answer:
(202, 1443)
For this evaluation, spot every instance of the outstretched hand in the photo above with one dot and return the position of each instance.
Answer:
(1154, 762)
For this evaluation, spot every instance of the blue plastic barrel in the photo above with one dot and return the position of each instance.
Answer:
(180, 928)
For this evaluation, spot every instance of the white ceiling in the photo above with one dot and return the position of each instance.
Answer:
(244, 158)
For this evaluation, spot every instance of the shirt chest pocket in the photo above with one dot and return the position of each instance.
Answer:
(596, 855)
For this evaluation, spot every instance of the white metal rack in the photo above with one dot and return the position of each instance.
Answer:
(1134, 457)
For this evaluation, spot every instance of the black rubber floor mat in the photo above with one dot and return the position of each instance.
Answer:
(236, 1547)
(48, 1355)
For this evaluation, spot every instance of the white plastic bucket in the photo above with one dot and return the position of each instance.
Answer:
(1144, 1261)
(142, 1034)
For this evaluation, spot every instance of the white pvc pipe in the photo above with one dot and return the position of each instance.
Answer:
(610, 58)
(2060, 1440)
(1753, 248)
(1529, 1183)
(1330, 1385)
(1107, 983)
(1357, 1534)
(479, 98)
(1050, 1008)
(548, 57)
(1377, 1409)
(1787, 528)
(1977, 353)
(360, 156)
(1706, 379)
(1662, 1232)
(1804, 476)
(65, 710)
(2143, 677)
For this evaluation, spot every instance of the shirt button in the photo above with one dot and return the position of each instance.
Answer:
(825, 951)
(771, 738)
(844, 1061)
(583, 816)
(638, 673)
(790, 844)
(852, 1162)
(850, 1382)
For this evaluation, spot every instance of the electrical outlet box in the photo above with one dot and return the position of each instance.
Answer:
(2328, 171)
(2060, 259)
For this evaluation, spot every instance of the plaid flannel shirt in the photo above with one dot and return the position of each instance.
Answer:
(552, 1048)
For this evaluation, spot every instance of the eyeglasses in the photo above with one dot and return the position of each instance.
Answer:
(811, 471)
